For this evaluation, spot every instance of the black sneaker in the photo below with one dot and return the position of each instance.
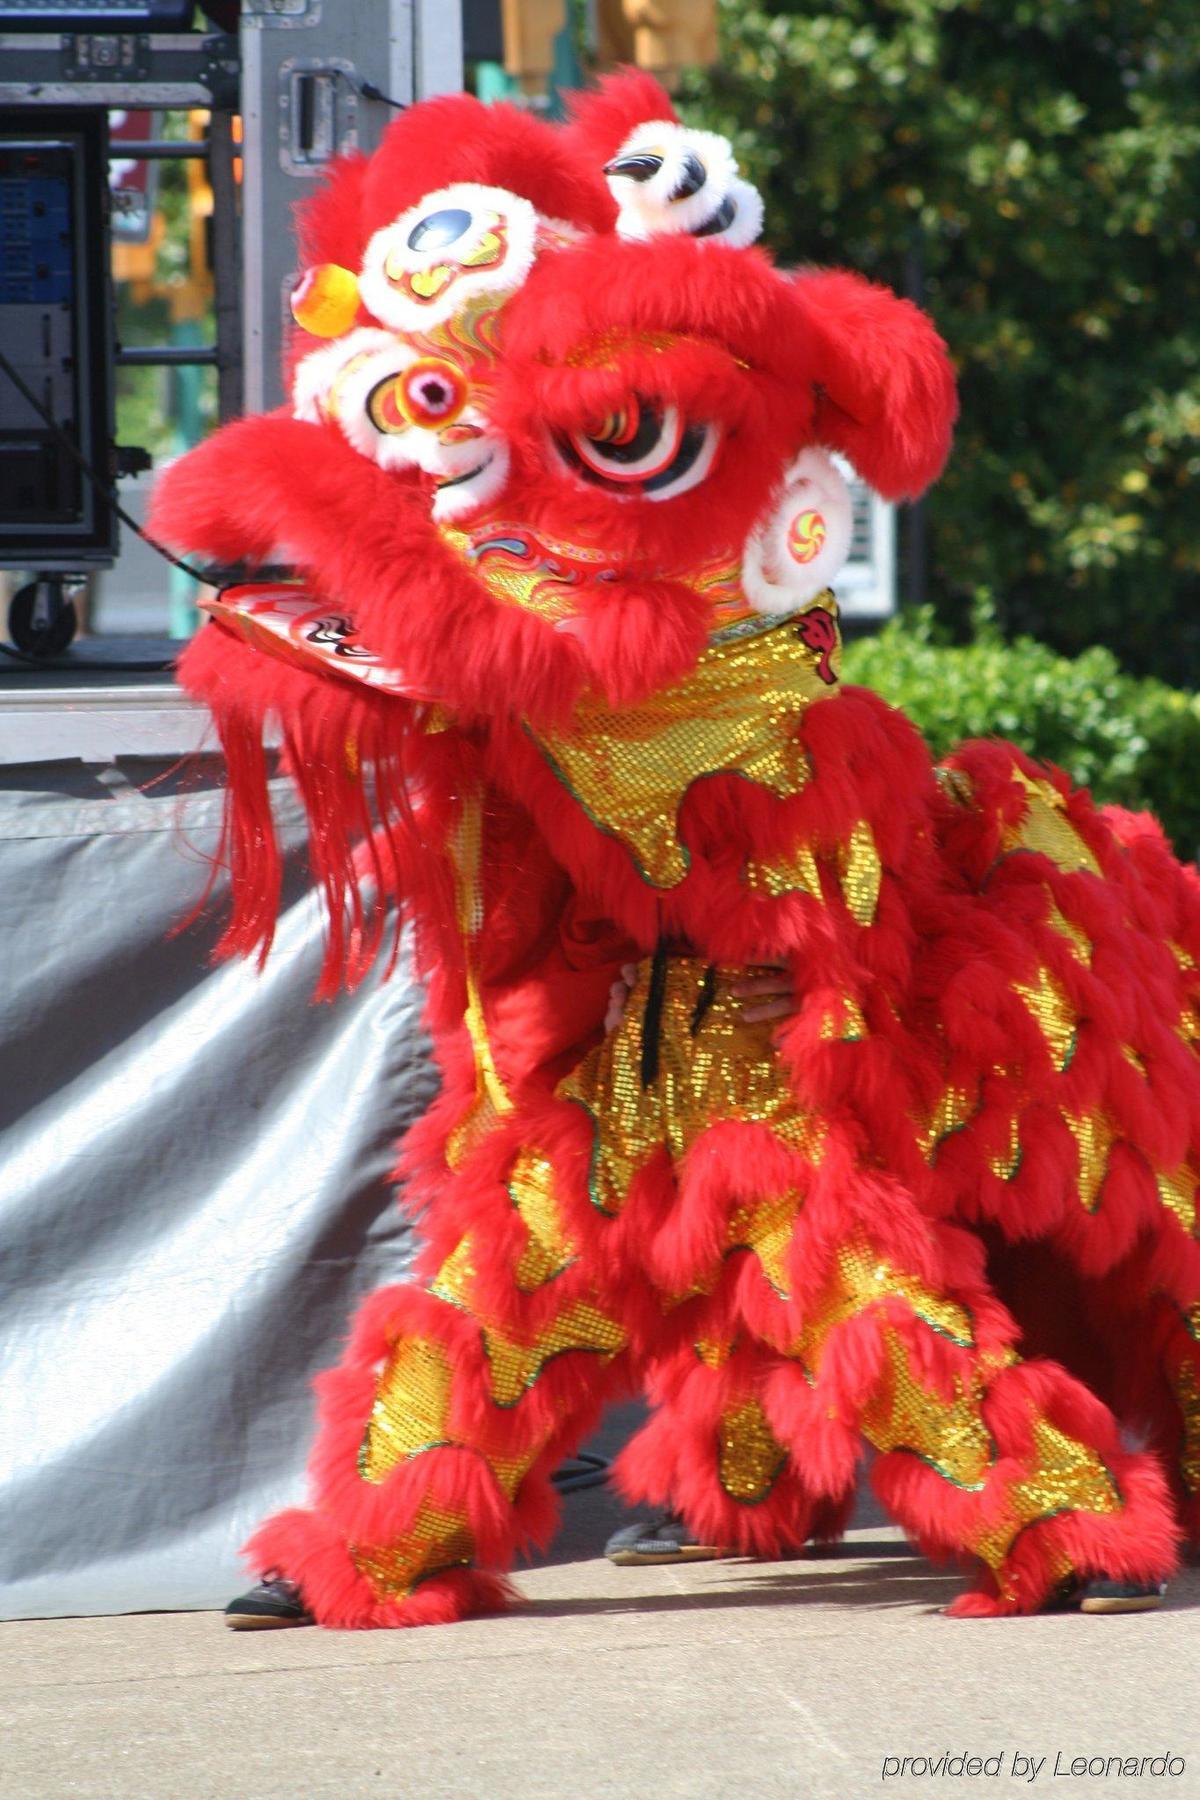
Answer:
(662, 1540)
(270, 1606)
(1102, 1595)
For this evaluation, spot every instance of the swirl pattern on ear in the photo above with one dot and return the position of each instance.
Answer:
(802, 544)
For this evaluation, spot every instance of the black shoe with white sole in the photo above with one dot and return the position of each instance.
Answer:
(272, 1605)
(1102, 1595)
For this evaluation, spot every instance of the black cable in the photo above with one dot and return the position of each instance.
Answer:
(370, 91)
(98, 482)
(583, 1470)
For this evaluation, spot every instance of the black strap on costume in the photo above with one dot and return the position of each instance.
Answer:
(652, 1018)
(705, 998)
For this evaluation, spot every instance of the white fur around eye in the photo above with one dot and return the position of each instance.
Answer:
(315, 375)
(724, 210)
(802, 544)
(396, 304)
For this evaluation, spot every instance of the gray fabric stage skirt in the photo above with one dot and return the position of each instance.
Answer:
(194, 1193)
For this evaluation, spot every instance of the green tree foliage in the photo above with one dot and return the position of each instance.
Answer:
(1132, 740)
(1034, 167)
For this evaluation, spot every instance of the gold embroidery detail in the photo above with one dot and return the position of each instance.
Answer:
(1054, 1013)
(1177, 1191)
(435, 1540)
(1133, 1059)
(949, 1435)
(860, 873)
(1066, 1477)
(1094, 1138)
(751, 1456)
(1182, 956)
(1045, 827)
(631, 767)
(714, 1352)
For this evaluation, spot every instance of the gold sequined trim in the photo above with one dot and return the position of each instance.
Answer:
(750, 1455)
(1006, 1163)
(1045, 827)
(737, 712)
(435, 1541)
(767, 1227)
(549, 1250)
(1094, 1137)
(714, 1352)
(793, 873)
(948, 1435)
(1080, 942)
(1054, 1014)
(863, 1279)
(515, 1366)
(1066, 1477)
(491, 1101)
(412, 1401)
(860, 873)
(844, 1025)
(953, 1110)
(1177, 1191)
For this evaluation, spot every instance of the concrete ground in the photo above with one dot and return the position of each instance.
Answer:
(724, 1679)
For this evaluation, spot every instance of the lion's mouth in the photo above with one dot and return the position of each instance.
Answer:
(453, 481)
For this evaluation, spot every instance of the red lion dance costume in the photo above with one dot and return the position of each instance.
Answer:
(562, 676)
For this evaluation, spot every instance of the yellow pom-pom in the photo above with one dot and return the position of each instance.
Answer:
(326, 301)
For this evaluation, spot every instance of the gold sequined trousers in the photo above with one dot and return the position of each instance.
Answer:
(771, 1359)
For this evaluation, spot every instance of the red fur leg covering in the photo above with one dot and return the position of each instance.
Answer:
(709, 1453)
(980, 1455)
(1168, 1361)
(438, 1436)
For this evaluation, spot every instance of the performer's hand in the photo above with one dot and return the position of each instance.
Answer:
(770, 994)
(618, 996)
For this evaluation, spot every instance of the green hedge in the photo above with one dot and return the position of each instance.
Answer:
(1131, 740)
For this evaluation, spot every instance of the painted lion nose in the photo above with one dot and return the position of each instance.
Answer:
(432, 393)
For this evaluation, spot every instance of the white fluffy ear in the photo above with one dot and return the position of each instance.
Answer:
(667, 179)
(803, 542)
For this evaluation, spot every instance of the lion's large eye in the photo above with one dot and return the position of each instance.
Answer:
(642, 449)
(446, 252)
(437, 230)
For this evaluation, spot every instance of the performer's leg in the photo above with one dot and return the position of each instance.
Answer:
(980, 1453)
(438, 1437)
